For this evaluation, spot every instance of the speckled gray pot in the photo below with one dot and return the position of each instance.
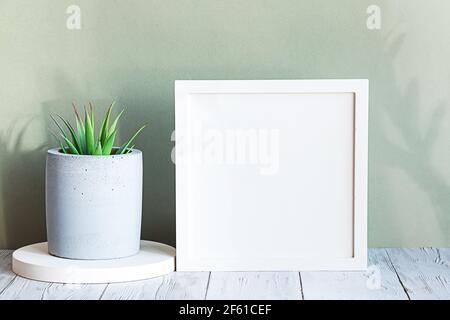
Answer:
(93, 205)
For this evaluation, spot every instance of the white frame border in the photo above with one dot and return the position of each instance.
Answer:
(360, 88)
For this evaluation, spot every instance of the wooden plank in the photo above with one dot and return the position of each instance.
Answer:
(254, 285)
(24, 289)
(59, 291)
(174, 286)
(13, 287)
(379, 282)
(424, 272)
(6, 275)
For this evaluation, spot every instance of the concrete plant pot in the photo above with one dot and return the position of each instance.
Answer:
(93, 205)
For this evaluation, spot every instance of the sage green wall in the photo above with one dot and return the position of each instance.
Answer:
(132, 51)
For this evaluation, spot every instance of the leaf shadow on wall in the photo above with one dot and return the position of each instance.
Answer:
(22, 178)
(22, 186)
(412, 153)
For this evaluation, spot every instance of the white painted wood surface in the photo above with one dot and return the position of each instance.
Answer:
(6, 275)
(254, 285)
(379, 282)
(404, 273)
(174, 286)
(24, 289)
(424, 272)
(60, 291)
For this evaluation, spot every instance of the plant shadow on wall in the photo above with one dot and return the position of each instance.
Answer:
(22, 185)
(412, 150)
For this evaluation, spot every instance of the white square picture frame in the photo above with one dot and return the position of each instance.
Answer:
(271, 175)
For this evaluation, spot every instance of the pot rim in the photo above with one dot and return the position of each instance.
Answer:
(56, 152)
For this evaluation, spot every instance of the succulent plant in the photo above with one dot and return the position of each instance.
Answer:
(83, 141)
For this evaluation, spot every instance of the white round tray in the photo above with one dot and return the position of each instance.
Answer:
(34, 262)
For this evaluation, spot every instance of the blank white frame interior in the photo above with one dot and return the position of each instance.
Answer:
(271, 175)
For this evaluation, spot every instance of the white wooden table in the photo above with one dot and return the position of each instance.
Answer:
(395, 273)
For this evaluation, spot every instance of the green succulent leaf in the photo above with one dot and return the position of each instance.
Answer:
(83, 141)
(81, 135)
(75, 141)
(109, 143)
(80, 129)
(98, 149)
(77, 115)
(59, 127)
(92, 116)
(69, 143)
(114, 124)
(61, 145)
(104, 130)
(124, 147)
(90, 140)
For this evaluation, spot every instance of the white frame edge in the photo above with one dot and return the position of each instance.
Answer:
(360, 88)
